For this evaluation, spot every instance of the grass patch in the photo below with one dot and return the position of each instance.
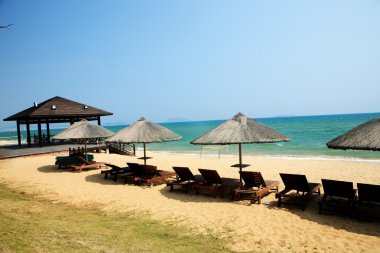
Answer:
(28, 224)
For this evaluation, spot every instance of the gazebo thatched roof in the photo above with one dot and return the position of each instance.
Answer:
(363, 137)
(240, 130)
(144, 131)
(58, 107)
(83, 130)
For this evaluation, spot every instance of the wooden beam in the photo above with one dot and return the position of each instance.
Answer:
(18, 133)
(99, 123)
(28, 139)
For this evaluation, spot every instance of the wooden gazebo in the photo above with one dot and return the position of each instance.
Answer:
(54, 110)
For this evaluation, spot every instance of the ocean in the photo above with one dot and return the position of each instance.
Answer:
(308, 134)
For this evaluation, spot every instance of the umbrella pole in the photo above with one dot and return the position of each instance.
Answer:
(85, 150)
(144, 154)
(240, 161)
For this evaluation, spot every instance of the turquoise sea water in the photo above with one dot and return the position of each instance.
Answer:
(308, 135)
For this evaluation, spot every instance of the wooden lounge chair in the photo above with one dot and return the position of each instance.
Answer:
(134, 176)
(151, 176)
(338, 197)
(115, 171)
(368, 207)
(72, 159)
(304, 190)
(255, 187)
(86, 165)
(214, 184)
(185, 179)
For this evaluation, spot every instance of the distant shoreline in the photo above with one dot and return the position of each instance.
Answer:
(196, 121)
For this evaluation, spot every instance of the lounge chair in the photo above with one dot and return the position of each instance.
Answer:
(134, 176)
(368, 202)
(185, 179)
(255, 187)
(86, 165)
(304, 190)
(214, 184)
(151, 176)
(115, 171)
(338, 197)
(72, 159)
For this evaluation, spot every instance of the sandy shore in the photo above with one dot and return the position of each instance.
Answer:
(241, 226)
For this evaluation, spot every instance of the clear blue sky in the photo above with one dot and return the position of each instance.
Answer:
(192, 59)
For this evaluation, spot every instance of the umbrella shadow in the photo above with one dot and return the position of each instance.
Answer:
(98, 178)
(52, 169)
(338, 221)
(191, 196)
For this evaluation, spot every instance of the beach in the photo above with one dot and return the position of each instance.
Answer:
(239, 225)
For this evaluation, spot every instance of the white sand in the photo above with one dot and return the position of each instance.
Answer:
(242, 227)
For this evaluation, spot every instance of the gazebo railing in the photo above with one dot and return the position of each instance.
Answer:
(121, 148)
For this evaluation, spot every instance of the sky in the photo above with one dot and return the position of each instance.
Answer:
(192, 60)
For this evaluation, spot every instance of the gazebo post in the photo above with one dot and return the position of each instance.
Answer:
(48, 131)
(99, 123)
(28, 140)
(18, 133)
(39, 133)
(240, 161)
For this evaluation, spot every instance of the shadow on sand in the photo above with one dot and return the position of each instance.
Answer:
(337, 221)
(98, 178)
(191, 196)
(53, 169)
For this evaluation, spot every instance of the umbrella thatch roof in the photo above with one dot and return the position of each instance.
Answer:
(83, 130)
(365, 137)
(240, 130)
(144, 131)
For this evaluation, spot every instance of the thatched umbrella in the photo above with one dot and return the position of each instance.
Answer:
(83, 130)
(240, 130)
(144, 131)
(363, 137)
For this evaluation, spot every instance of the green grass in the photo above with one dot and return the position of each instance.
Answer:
(28, 224)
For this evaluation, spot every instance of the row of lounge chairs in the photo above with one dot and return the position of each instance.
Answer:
(209, 181)
(138, 174)
(339, 196)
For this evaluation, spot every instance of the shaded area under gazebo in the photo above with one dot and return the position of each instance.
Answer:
(54, 110)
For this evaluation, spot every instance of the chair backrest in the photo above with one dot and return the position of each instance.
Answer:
(340, 189)
(369, 192)
(252, 179)
(210, 176)
(135, 167)
(184, 173)
(148, 170)
(82, 159)
(295, 182)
